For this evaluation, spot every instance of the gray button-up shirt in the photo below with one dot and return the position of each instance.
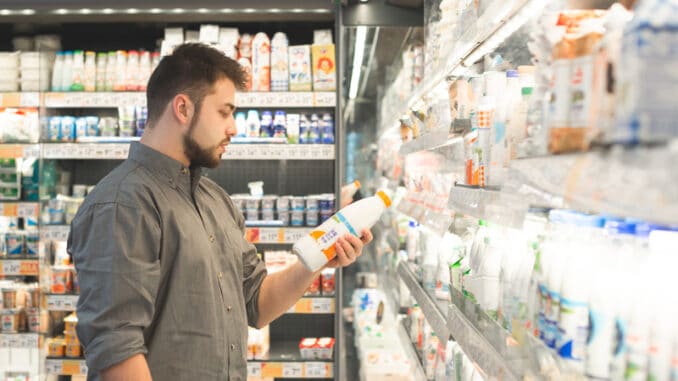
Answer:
(164, 270)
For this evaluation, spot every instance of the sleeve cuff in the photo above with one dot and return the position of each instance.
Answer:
(114, 347)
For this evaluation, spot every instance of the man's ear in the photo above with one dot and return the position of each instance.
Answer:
(183, 109)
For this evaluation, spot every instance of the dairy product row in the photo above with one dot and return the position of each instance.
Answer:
(25, 71)
(272, 64)
(130, 122)
(291, 210)
(66, 345)
(294, 127)
(20, 307)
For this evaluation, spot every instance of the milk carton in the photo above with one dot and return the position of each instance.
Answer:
(280, 80)
(261, 63)
(300, 68)
(247, 66)
(245, 46)
(324, 68)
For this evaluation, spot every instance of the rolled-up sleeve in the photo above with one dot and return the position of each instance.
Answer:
(116, 249)
(254, 272)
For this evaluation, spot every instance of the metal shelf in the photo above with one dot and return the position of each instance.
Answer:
(288, 99)
(15, 151)
(425, 142)
(66, 367)
(434, 310)
(471, 200)
(591, 182)
(120, 151)
(285, 235)
(426, 210)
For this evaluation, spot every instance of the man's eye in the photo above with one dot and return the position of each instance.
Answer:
(225, 114)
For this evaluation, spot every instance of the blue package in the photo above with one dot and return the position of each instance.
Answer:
(92, 126)
(67, 132)
(80, 127)
(54, 128)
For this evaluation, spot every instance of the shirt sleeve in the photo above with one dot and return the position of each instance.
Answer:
(116, 253)
(254, 272)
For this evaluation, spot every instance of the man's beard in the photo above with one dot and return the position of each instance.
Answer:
(198, 156)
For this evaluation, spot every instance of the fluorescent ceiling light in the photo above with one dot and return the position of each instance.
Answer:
(107, 11)
(249, 10)
(155, 10)
(61, 11)
(178, 10)
(132, 11)
(28, 12)
(85, 11)
(358, 53)
(227, 10)
(203, 10)
(5, 12)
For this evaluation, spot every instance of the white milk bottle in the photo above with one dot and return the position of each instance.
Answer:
(317, 248)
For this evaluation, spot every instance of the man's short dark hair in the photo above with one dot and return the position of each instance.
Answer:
(192, 69)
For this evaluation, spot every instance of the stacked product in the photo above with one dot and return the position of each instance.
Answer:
(19, 125)
(20, 307)
(67, 345)
(312, 348)
(287, 210)
(104, 71)
(9, 71)
(20, 237)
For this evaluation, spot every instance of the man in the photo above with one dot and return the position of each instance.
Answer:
(168, 282)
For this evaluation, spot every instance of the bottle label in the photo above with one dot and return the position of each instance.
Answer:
(551, 313)
(338, 228)
(574, 329)
(601, 345)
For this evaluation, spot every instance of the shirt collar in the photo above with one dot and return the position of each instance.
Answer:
(176, 174)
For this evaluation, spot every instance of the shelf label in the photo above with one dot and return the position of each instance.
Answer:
(53, 366)
(73, 367)
(325, 99)
(19, 267)
(271, 369)
(11, 151)
(292, 370)
(27, 209)
(62, 302)
(322, 305)
(54, 233)
(318, 370)
(19, 340)
(293, 235)
(253, 369)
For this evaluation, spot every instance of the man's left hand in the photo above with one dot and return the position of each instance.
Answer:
(349, 248)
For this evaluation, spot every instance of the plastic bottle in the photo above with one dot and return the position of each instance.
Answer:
(120, 74)
(448, 254)
(573, 321)
(132, 71)
(57, 71)
(304, 128)
(279, 62)
(253, 124)
(279, 129)
(266, 125)
(90, 71)
(430, 263)
(241, 124)
(78, 71)
(327, 129)
(292, 127)
(144, 70)
(111, 63)
(102, 59)
(67, 72)
(317, 248)
(314, 135)
(412, 240)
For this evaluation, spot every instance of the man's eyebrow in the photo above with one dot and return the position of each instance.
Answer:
(231, 105)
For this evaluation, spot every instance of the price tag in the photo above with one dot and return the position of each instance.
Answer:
(328, 151)
(62, 302)
(292, 151)
(318, 370)
(269, 235)
(11, 267)
(71, 367)
(292, 235)
(30, 340)
(325, 99)
(32, 151)
(304, 152)
(53, 366)
(271, 369)
(253, 369)
(322, 306)
(292, 370)
(54, 233)
(28, 267)
(27, 209)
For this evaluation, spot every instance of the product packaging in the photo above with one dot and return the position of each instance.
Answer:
(300, 68)
(324, 68)
(261, 62)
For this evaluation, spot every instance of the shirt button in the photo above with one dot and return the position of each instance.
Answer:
(229, 308)
(221, 275)
(232, 347)
(184, 171)
(212, 238)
